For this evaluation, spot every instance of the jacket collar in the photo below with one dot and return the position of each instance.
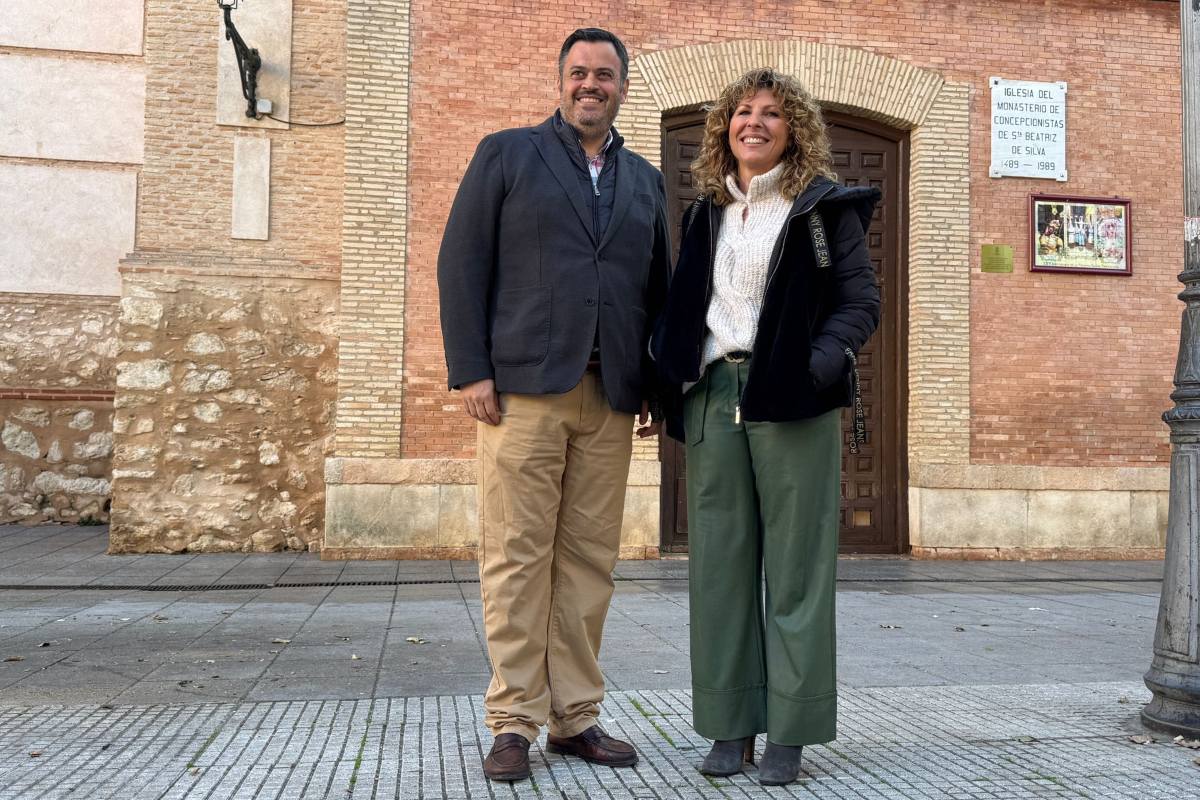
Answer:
(760, 186)
(820, 190)
(550, 146)
(570, 139)
(817, 190)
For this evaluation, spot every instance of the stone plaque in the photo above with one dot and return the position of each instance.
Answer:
(1029, 129)
(251, 187)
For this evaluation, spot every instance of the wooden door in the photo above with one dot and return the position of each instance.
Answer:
(681, 139)
(874, 483)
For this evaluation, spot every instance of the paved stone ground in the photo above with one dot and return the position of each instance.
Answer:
(959, 680)
(956, 742)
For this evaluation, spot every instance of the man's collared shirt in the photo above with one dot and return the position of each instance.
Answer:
(596, 162)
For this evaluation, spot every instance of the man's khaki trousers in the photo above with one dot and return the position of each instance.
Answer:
(552, 481)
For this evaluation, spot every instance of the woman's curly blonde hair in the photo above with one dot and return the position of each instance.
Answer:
(805, 156)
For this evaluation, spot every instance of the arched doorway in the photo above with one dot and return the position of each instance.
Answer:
(874, 482)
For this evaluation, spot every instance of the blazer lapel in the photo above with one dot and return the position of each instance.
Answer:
(622, 196)
(563, 170)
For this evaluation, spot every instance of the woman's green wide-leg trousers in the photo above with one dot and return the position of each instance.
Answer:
(762, 503)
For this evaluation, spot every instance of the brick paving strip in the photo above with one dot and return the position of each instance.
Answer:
(1014, 741)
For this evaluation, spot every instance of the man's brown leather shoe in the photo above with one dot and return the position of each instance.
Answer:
(596, 746)
(509, 759)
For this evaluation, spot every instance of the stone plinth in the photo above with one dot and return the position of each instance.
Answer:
(390, 508)
(1017, 512)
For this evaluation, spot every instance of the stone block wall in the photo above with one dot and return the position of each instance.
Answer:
(57, 369)
(54, 342)
(72, 89)
(56, 457)
(225, 394)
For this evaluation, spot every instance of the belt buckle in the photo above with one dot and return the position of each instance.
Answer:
(732, 359)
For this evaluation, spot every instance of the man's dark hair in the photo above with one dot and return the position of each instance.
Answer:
(595, 35)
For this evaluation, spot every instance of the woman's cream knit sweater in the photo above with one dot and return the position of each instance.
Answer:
(749, 229)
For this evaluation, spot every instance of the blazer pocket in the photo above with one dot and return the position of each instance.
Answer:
(521, 327)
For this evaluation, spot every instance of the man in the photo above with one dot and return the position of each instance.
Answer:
(553, 267)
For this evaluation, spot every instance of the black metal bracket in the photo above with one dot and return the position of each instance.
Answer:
(248, 60)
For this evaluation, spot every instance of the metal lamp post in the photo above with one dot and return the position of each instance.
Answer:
(1174, 675)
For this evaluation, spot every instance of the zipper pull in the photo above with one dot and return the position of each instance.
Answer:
(737, 414)
(596, 188)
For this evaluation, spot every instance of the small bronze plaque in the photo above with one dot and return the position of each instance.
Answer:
(996, 258)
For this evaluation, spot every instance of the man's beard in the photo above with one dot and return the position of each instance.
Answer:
(599, 117)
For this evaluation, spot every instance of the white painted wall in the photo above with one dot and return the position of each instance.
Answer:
(64, 229)
(90, 26)
(58, 108)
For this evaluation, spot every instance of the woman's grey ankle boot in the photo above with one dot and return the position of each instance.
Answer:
(727, 757)
(780, 764)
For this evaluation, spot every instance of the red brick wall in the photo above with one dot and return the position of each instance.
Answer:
(1076, 369)
(1066, 370)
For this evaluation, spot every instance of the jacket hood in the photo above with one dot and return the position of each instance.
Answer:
(826, 192)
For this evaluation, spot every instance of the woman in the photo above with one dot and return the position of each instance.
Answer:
(772, 297)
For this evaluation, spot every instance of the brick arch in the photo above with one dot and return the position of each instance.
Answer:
(885, 89)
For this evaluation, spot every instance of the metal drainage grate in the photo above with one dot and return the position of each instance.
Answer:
(296, 584)
(230, 587)
(119, 587)
(215, 587)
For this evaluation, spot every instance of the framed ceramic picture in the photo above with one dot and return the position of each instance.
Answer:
(1080, 234)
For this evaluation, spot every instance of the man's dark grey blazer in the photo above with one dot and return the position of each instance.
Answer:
(524, 283)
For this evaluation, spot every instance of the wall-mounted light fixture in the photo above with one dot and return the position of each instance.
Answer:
(249, 63)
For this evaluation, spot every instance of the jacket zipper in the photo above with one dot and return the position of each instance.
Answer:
(596, 207)
(786, 225)
(771, 270)
(707, 289)
(712, 254)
